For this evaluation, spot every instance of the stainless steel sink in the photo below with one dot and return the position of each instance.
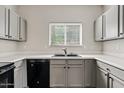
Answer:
(68, 55)
(59, 55)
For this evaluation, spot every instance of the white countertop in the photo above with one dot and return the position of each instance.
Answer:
(114, 61)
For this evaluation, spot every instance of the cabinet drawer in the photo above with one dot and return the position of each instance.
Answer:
(78, 62)
(102, 65)
(57, 62)
(111, 69)
(116, 72)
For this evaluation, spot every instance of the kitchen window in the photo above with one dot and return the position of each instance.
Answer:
(65, 34)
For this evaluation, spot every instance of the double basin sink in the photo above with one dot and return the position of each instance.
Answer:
(66, 55)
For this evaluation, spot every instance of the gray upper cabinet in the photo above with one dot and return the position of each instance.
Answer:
(121, 21)
(2, 22)
(13, 25)
(111, 23)
(22, 29)
(99, 29)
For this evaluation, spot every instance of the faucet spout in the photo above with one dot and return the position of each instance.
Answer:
(65, 51)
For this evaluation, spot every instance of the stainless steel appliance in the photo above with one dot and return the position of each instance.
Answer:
(7, 75)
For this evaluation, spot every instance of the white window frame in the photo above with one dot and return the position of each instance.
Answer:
(50, 38)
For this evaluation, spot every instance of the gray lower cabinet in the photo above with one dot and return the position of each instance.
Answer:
(109, 76)
(66, 73)
(20, 74)
(75, 76)
(90, 73)
(115, 82)
(101, 77)
(57, 75)
(18, 77)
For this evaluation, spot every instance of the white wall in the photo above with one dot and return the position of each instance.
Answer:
(114, 47)
(38, 18)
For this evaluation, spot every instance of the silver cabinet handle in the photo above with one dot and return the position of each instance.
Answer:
(111, 82)
(10, 36)
(103, 26)
(108, 80)
(107, 76)
(121, 33)
(20, 38)
(6, 35)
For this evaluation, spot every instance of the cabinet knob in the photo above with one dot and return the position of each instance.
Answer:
(68, 67)
(64, 67)
(108, 69)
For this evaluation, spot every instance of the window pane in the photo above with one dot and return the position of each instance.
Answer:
(57, 32)
(73, 34)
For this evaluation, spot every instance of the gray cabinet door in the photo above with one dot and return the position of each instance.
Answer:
(20, 74)
(24, 74)
(13, 25)
(22, 29)
(18, 77)
(57, 76)
(2, 21)
(101, 78)
(121, 21)
(111, 23)
(115, 82)
(75, 75)
(99, 29)
(90, 73)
